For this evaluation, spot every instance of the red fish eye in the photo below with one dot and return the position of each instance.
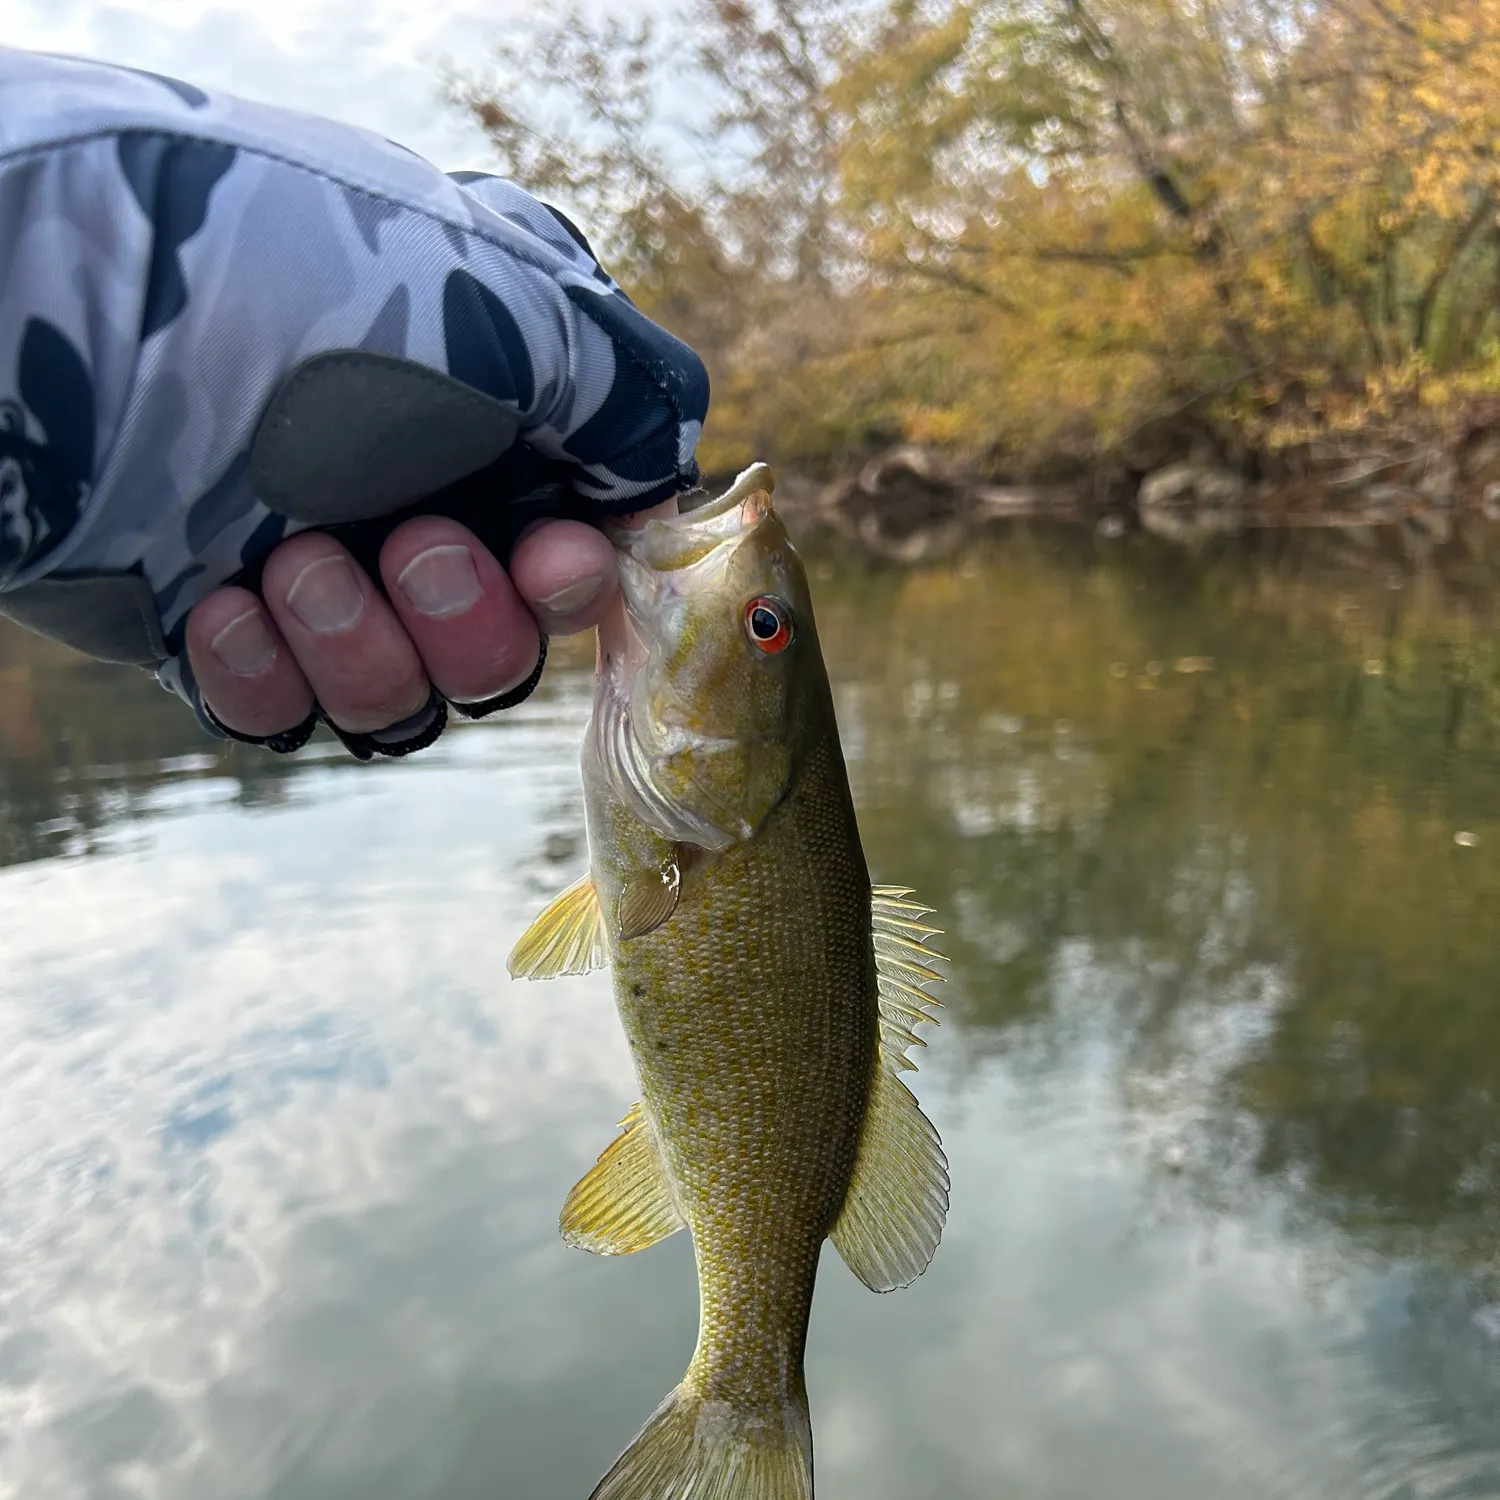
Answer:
(768, 623)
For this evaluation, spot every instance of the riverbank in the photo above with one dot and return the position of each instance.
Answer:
(1396, 501)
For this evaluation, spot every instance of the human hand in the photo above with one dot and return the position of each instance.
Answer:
(456, 620)
(270, 337)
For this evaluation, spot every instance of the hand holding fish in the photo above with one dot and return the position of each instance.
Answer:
(277, 397)
(768, 993)
(452, 618)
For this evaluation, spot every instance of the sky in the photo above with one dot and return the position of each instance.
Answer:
(375, 63)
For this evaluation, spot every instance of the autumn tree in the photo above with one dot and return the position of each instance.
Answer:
(1036, 229)
(703, 154)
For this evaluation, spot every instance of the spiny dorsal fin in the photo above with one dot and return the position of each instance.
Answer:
(623, 1204)
(568, 937)
(897, 1202)
(901, 963)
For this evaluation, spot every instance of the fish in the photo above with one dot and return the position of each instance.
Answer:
(769, 993)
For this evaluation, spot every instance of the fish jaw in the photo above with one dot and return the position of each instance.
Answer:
(618, 750)
(665, 543)
(672, 732)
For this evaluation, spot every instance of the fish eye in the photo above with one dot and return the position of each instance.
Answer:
(768, 623)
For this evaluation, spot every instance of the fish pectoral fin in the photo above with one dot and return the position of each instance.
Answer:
(624, 1203)
(648, 899)
(897, 1201)
(568, 937)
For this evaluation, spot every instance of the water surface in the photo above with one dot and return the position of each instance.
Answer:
(1217, 847)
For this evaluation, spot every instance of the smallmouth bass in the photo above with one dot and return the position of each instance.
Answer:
(768, 993)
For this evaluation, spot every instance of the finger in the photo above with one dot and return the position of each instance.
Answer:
(476, 638)
(567, 574)
(668, 507)
(247, 675)
(346, 638)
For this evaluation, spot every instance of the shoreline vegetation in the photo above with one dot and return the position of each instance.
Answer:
(914, 505)
(1208, 264)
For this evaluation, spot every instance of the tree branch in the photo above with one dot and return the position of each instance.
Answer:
(1448, 258)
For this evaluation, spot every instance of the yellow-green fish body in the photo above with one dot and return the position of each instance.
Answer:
(729, 892)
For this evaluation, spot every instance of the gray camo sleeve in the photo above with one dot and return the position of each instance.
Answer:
(168, 259)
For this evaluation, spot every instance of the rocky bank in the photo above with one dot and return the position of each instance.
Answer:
(1411, 495)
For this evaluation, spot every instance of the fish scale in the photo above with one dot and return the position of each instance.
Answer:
(767, 993)
(776, 986)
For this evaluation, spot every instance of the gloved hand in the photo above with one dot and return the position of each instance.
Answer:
(249, 348)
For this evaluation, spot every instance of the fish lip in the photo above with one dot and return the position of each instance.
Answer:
(665, 544)
(758, 478)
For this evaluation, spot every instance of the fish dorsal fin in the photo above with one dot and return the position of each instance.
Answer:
(648, 899)
(897, 1201)
(903, 969)
(624, 1203)
(568, 937)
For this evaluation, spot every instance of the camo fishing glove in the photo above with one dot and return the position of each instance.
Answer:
(221, 323)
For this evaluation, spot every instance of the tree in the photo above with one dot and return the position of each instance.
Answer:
(1032, 228)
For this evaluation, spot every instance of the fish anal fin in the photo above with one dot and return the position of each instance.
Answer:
(694, 1449)
(623, 1203)
(897, 1201)
(567, 938)
(648, 899)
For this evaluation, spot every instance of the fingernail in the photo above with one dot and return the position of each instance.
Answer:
(573, 597)
(326, 596)
(244, 645)
(440, 581)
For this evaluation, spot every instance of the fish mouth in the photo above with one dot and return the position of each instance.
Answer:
(667, 544)
(660, 560)
(663, 558)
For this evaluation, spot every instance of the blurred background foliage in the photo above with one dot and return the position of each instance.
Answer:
(1048, 235)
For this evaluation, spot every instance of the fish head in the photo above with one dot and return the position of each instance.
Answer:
(703, 666)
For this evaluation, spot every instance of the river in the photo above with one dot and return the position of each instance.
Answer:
(1216, 846)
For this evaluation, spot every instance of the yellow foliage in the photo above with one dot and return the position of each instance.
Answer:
(1032, 232)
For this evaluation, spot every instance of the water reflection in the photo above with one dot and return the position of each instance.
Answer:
(84, 747)
(1243, 789)
(281, 1149)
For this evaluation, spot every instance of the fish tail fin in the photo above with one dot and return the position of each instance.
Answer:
(695, 1449)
